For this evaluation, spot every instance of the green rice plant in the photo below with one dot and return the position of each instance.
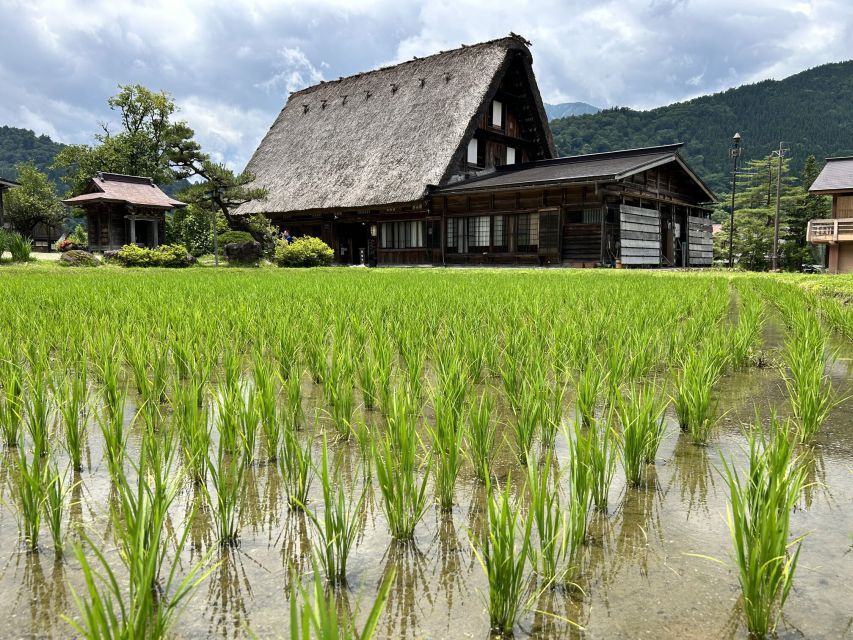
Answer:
(266, 403)
(11, 402)
(339, 391)
(294, 463)
(30, 489)
(286, 351)
(503, 560)
(528, 419)
(447, 447)
(396, 458)
(316, 356)
(747, 333)
(229, 411)
(72, 392)
(190, 422)
(293, 415)
(339, 525)
(320, 617)
(640, 410)
(596, 446)
(154, 596)
(480, 436)
(694, 392)
(248, 425)
(589, 385)
(39, 412)
(759, 514)
(413, 352)
(549, 522)
(384, 369)
(367, 373)
(512, 378)
(809, 387)
(580, 491)
(227, 473)
(53, 502)
(111, 422)
(552, 413)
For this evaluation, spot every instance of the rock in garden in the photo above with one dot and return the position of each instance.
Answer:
(78, 258)
(244, 252)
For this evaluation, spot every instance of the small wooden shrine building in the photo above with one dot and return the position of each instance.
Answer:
(450, 159)
(5, 185)
(836, 180)
(124, 210)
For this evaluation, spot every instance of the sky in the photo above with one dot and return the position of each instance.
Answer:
(230, 65)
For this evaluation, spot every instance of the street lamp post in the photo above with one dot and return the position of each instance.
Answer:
(216, 192)
(781, 154)
(734, 152)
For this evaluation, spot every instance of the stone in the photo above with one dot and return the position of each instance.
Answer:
(78, 258)
(245, 253)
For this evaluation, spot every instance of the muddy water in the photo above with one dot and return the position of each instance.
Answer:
(641, 578)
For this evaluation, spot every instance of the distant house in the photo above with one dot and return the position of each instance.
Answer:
(450, 159)
(5, 185)
(124, 210)
(836, 180)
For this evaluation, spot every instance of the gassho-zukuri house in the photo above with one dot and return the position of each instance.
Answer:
(449, 159)
(124, 210)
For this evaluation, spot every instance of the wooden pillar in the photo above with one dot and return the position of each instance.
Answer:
(132, 228)
(2, 211)
(156, 225)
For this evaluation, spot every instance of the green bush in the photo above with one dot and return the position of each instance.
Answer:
(167, 255)
(303, 252)
(231, 237)
(79, 236)
(19, 246)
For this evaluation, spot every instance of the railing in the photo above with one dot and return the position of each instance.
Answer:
(830, 231)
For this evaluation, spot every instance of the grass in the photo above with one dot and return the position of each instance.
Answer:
(397, 458)
(761, 502)
(504, 560)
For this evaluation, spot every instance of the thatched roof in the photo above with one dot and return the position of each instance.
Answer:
(138, 191)
(381, 137)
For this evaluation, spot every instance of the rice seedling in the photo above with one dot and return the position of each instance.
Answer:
(39, 412)
(11, 402)
(111, 422)
(294, 463)
(809, 387)
(286, 351)
(248, 425)
(320, 617)
(30, 490)
(190, 422)
(367, 374)
(413, 352)
(552, 413)
(447, 447)
(396, 456)
(383, 364)
(316, 356)
(227, 472)
(53, 501)
(528, 419)
(72, 392)
(596, 448)
(229, 411)
(694, 392)
(589, 385)
(149, 605)
(503, 560)
(640, 410)
(339, 525)
(294, 415)
(549, 522)
(480, 436)
(339, 392)
(746, 334)
(759, 514)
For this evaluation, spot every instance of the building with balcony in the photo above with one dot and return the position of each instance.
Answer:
(835, 180)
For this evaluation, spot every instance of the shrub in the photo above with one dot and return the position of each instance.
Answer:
(167, 255)
(19, 246)
(234, 237)
(79, 236)
(303, 252)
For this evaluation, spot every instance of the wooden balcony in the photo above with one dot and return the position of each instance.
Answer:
(830, 231)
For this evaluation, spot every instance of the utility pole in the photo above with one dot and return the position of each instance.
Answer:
(213, 195)
(781, 154)
(734, 152)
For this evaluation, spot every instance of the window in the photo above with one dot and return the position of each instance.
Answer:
(478, 233)
(528, 232)
(510, 155)
(499, 242)
(472, 151)
(403, 235)
(497, 114)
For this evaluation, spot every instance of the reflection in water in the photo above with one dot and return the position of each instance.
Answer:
(228, 590)
(295, 543)
(811, 459)
(410, 593)
(449, 549)
(45, 597)
(693, 474)
(559, 614)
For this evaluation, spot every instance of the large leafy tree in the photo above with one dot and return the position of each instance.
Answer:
(33, 202)
(150, 143)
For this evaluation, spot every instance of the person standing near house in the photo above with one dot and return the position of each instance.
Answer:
(285, 235)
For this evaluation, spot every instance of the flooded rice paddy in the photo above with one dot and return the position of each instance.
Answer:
(648, 564)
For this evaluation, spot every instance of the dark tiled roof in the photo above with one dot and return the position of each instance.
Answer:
(837, 175)
(611, 165)
(135, 190)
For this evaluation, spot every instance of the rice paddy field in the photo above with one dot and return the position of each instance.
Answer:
(424, 454)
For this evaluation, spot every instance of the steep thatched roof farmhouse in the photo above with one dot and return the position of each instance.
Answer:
(373, 163)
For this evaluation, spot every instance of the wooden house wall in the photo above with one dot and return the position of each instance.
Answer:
(639, 236)
(700, 243)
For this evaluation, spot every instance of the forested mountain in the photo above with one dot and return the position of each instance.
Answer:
(812, 112)
(568, 109)
(22, 145)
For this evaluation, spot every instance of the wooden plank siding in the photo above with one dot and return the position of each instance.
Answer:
(700, 243)
(640, 238)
